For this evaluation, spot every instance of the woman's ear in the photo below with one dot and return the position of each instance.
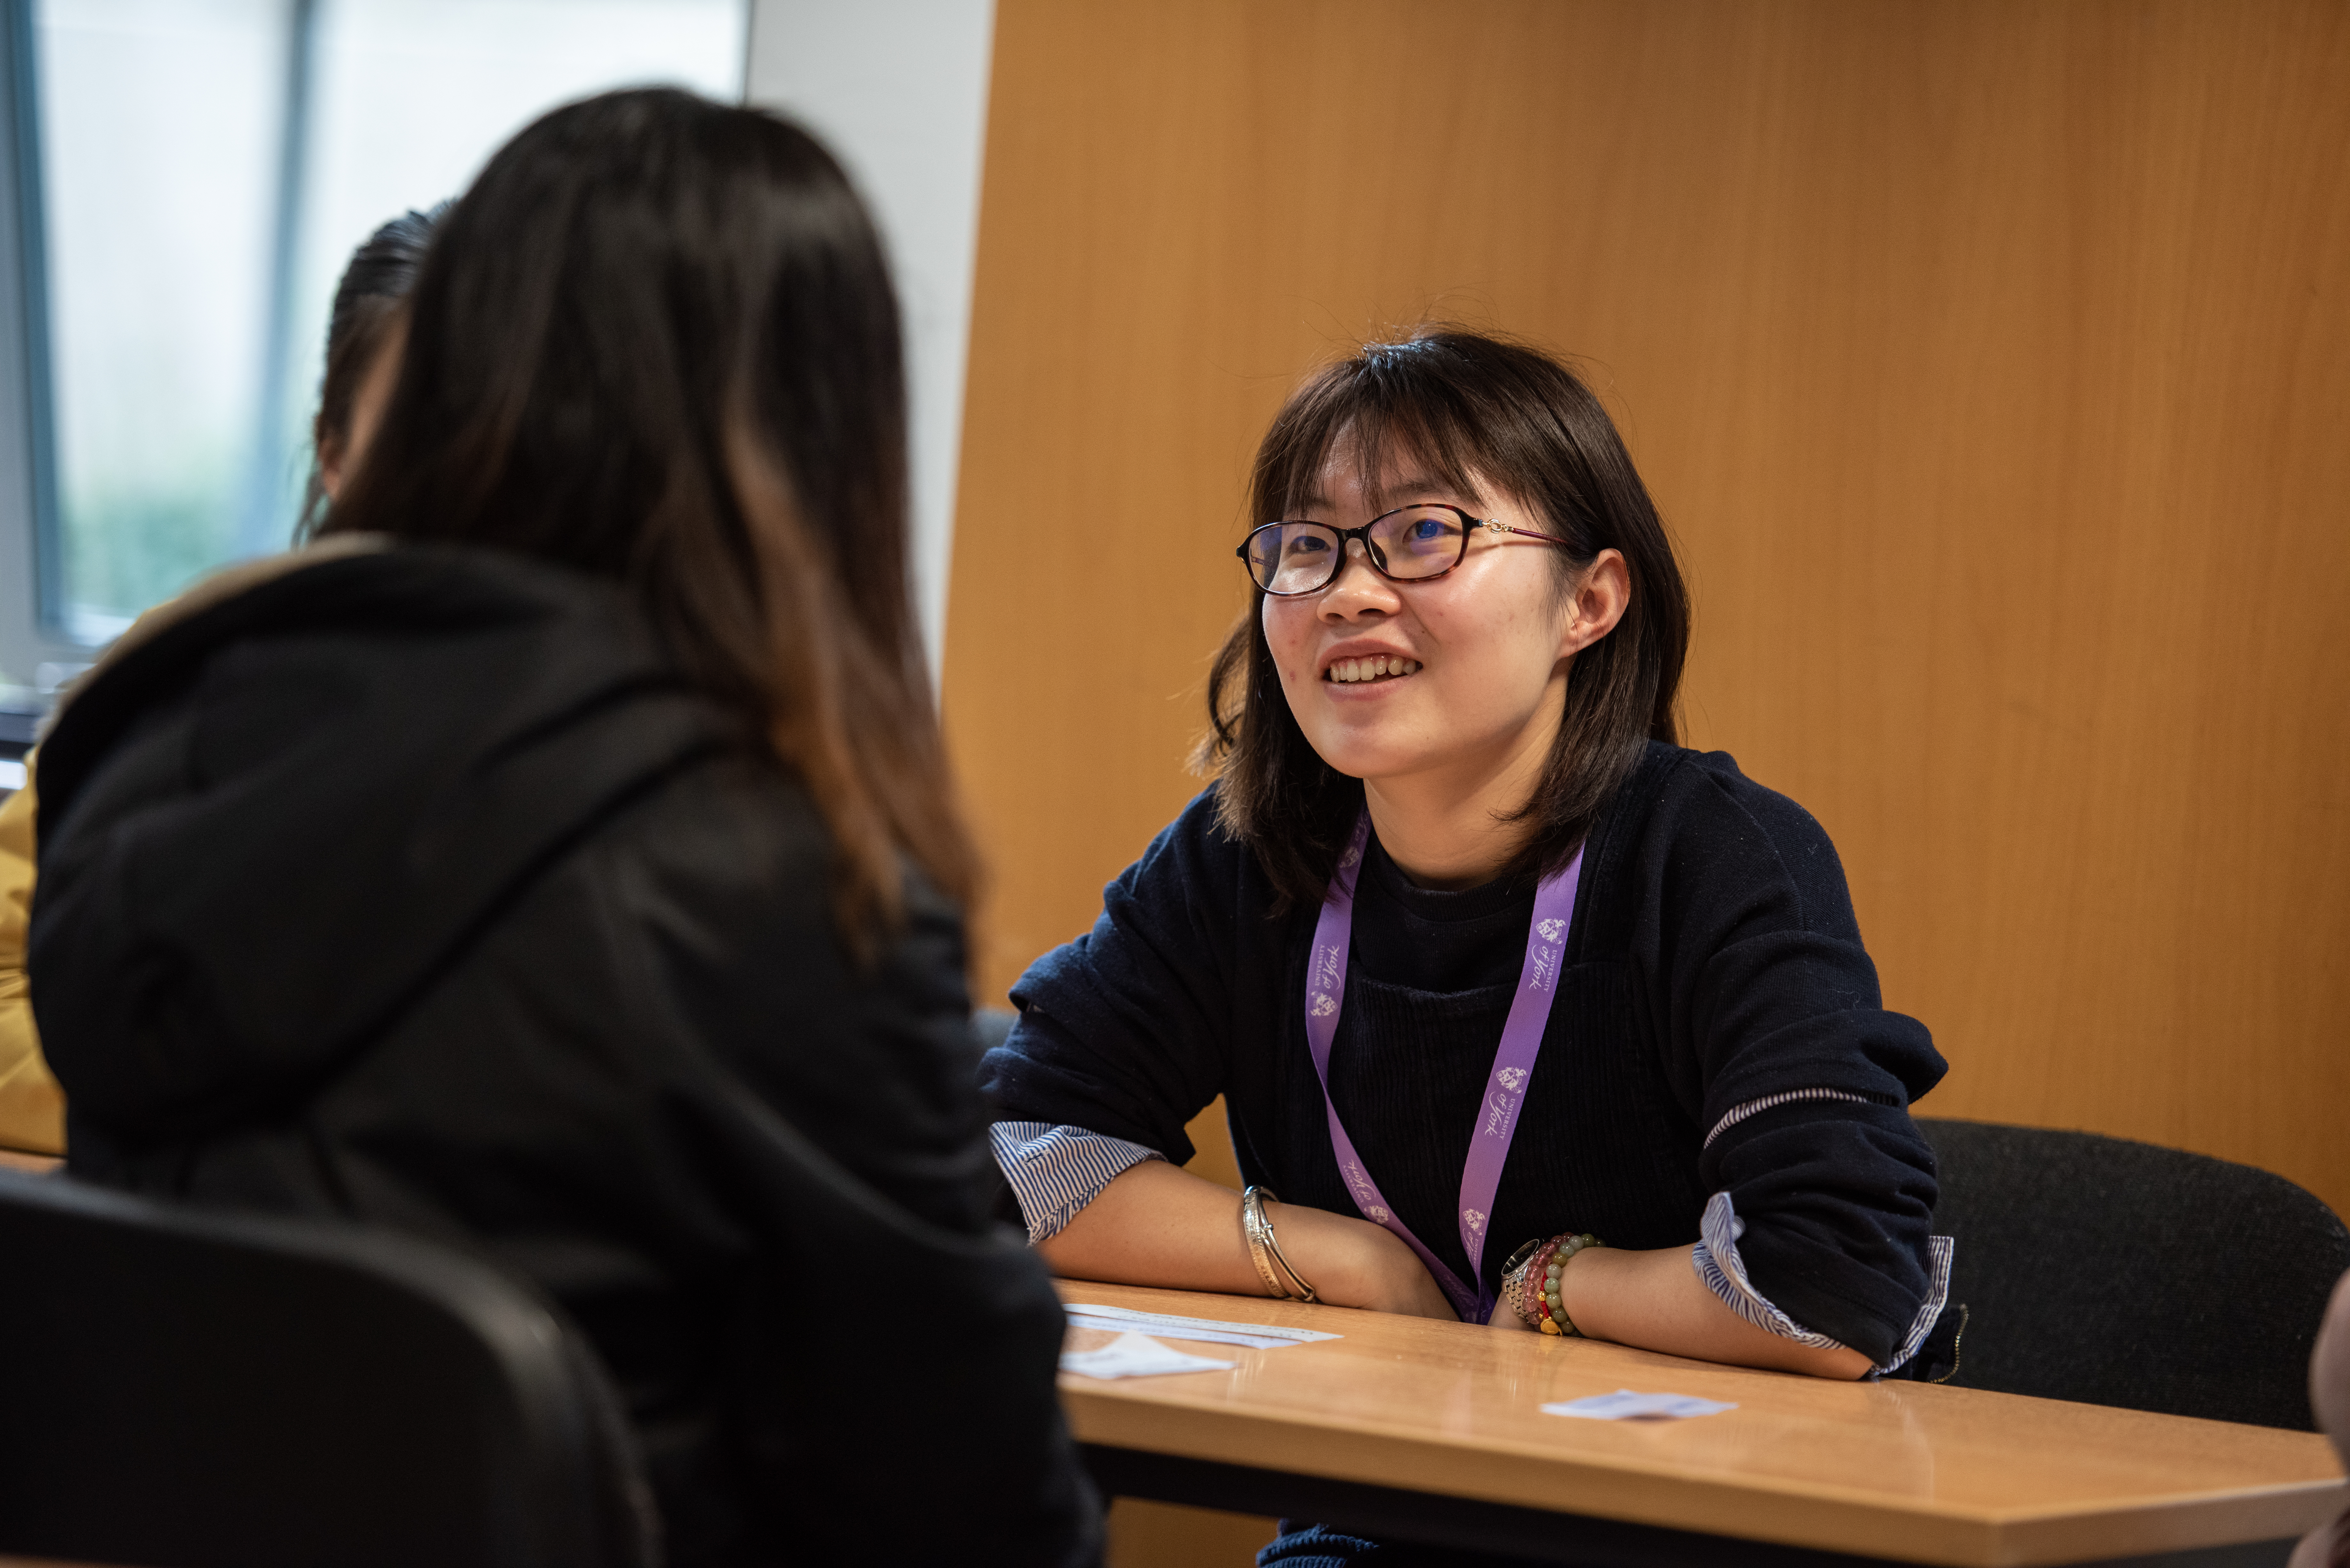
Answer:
(330, 467)
(339, 456)
(1598, 601)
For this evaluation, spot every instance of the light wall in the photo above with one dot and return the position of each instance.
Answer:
(1991, 362)
(897, 89)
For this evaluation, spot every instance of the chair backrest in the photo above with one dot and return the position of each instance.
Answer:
(2123, 1273)
(189, 1388)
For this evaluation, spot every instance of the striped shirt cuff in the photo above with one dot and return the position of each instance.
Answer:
(1718, 1263)
(1055, 1171)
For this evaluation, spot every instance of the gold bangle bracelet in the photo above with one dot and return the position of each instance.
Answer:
(1252, 1231)
(1264, 1247)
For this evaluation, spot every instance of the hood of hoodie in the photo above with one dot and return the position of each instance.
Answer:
(269, 822)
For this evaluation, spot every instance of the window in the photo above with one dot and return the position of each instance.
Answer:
(191, 176)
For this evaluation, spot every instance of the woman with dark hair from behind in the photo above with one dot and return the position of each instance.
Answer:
(558, 859)
(350, 400)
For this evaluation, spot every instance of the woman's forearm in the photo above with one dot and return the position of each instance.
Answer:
(1157, 1225)
(1656, 1301)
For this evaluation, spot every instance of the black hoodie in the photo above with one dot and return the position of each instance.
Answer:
(412, 886)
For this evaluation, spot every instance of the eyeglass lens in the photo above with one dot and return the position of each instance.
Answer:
(1299, 557)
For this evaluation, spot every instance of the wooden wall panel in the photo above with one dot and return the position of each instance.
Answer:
(1991, 361)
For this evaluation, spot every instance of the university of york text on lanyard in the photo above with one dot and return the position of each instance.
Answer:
(1505, 1089)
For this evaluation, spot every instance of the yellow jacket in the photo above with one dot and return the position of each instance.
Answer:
(32, 1106)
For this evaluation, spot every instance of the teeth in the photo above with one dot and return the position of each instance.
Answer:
(1351, 670)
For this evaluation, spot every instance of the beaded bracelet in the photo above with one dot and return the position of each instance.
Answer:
(1531, 1283)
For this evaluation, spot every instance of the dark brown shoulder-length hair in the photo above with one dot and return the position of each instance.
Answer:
(657, 342)
(1478, 413)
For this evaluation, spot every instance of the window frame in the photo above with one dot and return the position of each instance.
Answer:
(34, 645)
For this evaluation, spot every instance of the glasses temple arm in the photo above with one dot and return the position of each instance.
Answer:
(1528, 533)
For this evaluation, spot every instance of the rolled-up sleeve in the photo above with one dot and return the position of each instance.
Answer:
(1723, 1270)
(1124, 1032)
(1787, 1058)
(1054, 1172)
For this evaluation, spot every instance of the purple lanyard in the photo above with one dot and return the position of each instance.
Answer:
(1514, 1062)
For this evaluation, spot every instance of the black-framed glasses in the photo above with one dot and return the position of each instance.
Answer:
(1409, 544)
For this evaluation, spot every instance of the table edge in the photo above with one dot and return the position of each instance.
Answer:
(1636, 1492)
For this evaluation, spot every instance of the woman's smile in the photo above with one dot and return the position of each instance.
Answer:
(1369, 669)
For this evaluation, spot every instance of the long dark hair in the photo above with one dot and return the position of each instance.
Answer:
(1465, 407)
(657, 342)
(375, 284)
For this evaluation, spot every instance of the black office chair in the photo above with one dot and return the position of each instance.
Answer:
(2123, 1273)
(188, 1388)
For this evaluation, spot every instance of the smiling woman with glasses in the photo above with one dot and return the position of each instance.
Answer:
(1530, 1016)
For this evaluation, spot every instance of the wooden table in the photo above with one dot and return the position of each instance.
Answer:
(1433, 1431)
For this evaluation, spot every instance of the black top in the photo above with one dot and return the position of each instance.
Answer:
(415, 888)
(1713, 961)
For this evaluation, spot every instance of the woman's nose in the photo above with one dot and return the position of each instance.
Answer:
(1358, 589)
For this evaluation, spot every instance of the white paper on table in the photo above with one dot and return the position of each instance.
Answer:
(1136, 1355)
(1626, 1405)
(1255, 1335)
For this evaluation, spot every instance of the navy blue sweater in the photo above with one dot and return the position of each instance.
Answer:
(1714, 961)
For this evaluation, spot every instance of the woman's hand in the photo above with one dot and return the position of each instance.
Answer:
(1353, 1263)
